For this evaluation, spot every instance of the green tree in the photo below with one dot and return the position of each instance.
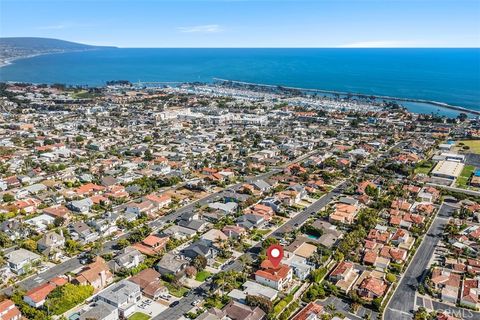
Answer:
(65, 297)
(122, 243)
(71, 246)
(5, 241)
(261, 302)
(7, 197)
(29, 244)
(200, 262)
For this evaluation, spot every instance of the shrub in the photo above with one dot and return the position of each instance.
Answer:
(64, 298)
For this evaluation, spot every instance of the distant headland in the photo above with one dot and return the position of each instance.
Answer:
(13, 48)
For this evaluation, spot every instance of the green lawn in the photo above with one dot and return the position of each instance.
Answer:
(176, 292)
(423, 167)
(84, 95)
(473, 144)
(138, 316)
(462, 180)
(202, 275)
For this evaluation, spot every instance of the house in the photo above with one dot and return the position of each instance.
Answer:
(195, 225)
(277, 278)
(159, 201)
(261, 185)
(232, 196)
(330, 235)
(249, 221)
(41, 223)
(28, 205)
(364, 185)
(470, 293)
(234, 231)
(150, 283)
(238, 311)
(429, 194)
(344, 275)
(200, 247)
(401, 204)
(402, 239)
(178, 232)
(144, 207)
(214, 236)
(101, 311)
(447, 282)
(128, 258)
(82, 232)
(344, 213)
(397, 255)
(151, 245)
(9, 311)
(311, 311)
(171, 264)
(15, 229)
(89, 189)
(81, 206)
(37, 296)
(57, 211)
(20, 260)
(251, 288)
(50, 242)
(123, 295)
(272, 202)
(96, 274)
(371, 288)
(228, 208)
(300, 266)
(106, 225)
(261, 210)
(380, 236)
(301, 249)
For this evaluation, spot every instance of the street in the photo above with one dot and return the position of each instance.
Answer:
(185, 303)
(401, 305)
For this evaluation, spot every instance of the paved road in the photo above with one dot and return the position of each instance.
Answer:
(185, 303)
(401, 305)
(455, 189)
(110, 246)
(33, 281)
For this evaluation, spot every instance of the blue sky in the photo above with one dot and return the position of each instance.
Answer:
(247, 23)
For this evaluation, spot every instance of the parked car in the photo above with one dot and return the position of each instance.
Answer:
(196, 302)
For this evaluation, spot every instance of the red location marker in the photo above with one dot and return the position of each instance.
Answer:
(275, 254)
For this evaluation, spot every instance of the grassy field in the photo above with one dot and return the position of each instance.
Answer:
(202, 275)
(424, 167)
(138, 316)
(473, 144)
(84, 95)
(462, 180)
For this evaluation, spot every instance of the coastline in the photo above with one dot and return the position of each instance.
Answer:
(431, 102)
(9, 61)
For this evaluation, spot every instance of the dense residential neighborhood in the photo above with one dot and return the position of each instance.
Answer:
(127, 202)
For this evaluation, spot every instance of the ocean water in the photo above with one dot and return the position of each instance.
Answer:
(445, 75)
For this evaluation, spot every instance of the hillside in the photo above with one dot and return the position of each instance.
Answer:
(18, 47)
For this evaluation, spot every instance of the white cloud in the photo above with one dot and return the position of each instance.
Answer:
(208, 28)
(382, 44)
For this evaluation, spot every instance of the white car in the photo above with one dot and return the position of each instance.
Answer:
(196, 302)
